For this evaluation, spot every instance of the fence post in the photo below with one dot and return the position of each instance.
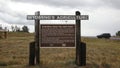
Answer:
(5, 34)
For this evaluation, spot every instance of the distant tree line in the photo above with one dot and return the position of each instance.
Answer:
(16, 29)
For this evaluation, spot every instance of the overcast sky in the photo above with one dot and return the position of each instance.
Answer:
(103, 14)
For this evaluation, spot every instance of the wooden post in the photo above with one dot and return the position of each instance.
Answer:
(80, 46)
(5, 34)
(83, 54)
(37, 46)
(32, 53)
(78, 39)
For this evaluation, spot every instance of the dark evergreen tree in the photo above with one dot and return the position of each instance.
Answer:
(25, 29)
(118, 33)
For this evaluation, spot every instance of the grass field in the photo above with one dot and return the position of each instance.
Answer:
(101, 53)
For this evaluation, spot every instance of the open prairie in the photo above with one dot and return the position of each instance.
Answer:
(101, 53)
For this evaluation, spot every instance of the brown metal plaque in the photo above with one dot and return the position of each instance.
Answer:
(57, 35)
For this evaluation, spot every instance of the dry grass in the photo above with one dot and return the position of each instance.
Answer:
(101, 53)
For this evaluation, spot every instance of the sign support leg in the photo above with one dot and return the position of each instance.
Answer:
(32, 53)
(37, 46)
(80, 46)
(78, 39)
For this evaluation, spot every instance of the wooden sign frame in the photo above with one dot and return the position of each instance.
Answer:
(80, 46)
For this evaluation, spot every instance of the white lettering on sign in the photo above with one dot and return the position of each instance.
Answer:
(58, 35)
(57, 17)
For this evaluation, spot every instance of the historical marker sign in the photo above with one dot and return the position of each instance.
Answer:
(58, 35)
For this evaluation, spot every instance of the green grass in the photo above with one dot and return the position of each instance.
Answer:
(101, 53)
